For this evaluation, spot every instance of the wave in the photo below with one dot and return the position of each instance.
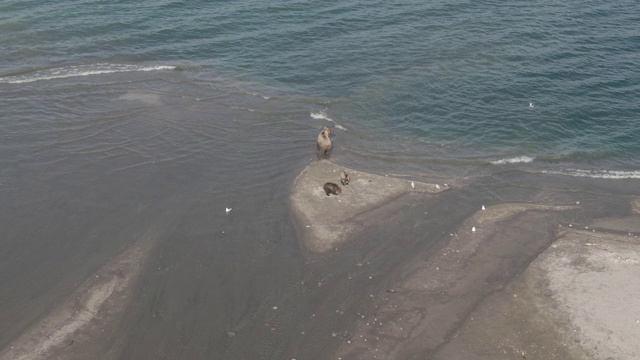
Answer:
(322, 115)
(514, 160)
(597, 174)
(590, 173)
(81, 70)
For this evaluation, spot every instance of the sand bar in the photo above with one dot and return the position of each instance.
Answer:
(75, 329)
(326, 221)
(516, 280)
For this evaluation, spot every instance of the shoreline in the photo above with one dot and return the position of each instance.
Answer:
(75, 328)
(395, 272)
(496, 286)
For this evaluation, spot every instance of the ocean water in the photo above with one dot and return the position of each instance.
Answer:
(419, 82)
(117, 113)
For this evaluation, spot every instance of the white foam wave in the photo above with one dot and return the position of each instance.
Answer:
(258, 94)
(514, 160)
(81, 70)
(597, 174)
(322, 115)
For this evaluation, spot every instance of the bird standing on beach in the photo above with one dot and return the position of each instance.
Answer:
(413, 186)
(228, 209)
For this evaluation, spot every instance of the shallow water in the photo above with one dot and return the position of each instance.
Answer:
(78, 189)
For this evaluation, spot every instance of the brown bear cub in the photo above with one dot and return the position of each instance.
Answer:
(331, 188)
(344, 178)
(324, 144)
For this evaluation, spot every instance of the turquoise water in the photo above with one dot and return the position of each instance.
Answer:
(445, 80)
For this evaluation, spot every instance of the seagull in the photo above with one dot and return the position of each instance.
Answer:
(437, 186)
(482, 207)
(531, 105)
(473, 229)
(413, 186)
(228, 209)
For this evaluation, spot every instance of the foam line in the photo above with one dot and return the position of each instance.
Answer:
(81, 70)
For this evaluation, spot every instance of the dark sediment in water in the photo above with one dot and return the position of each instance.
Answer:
(418, 273)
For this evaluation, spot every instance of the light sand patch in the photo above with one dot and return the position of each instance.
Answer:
(593, 278)
(325, 220)
(575, 301)
(635, 205)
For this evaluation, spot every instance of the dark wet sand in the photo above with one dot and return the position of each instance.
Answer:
(429, 287)
(408, 280)
(77, 327)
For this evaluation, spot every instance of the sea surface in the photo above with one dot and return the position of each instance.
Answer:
(117, 113)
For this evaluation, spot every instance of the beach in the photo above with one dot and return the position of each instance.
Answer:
(543, 277)
(161, 197)
(393, 268)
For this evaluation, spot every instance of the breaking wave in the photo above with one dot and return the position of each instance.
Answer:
(80, 70)
(322, 115)
(514, 160)
(597, 174)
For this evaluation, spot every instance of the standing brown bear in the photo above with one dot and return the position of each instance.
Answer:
(324, 144)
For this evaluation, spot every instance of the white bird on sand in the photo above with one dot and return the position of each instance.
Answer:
(413, 186)
(228, 209)
(437, 186)
(482, 207)
(473, 229)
